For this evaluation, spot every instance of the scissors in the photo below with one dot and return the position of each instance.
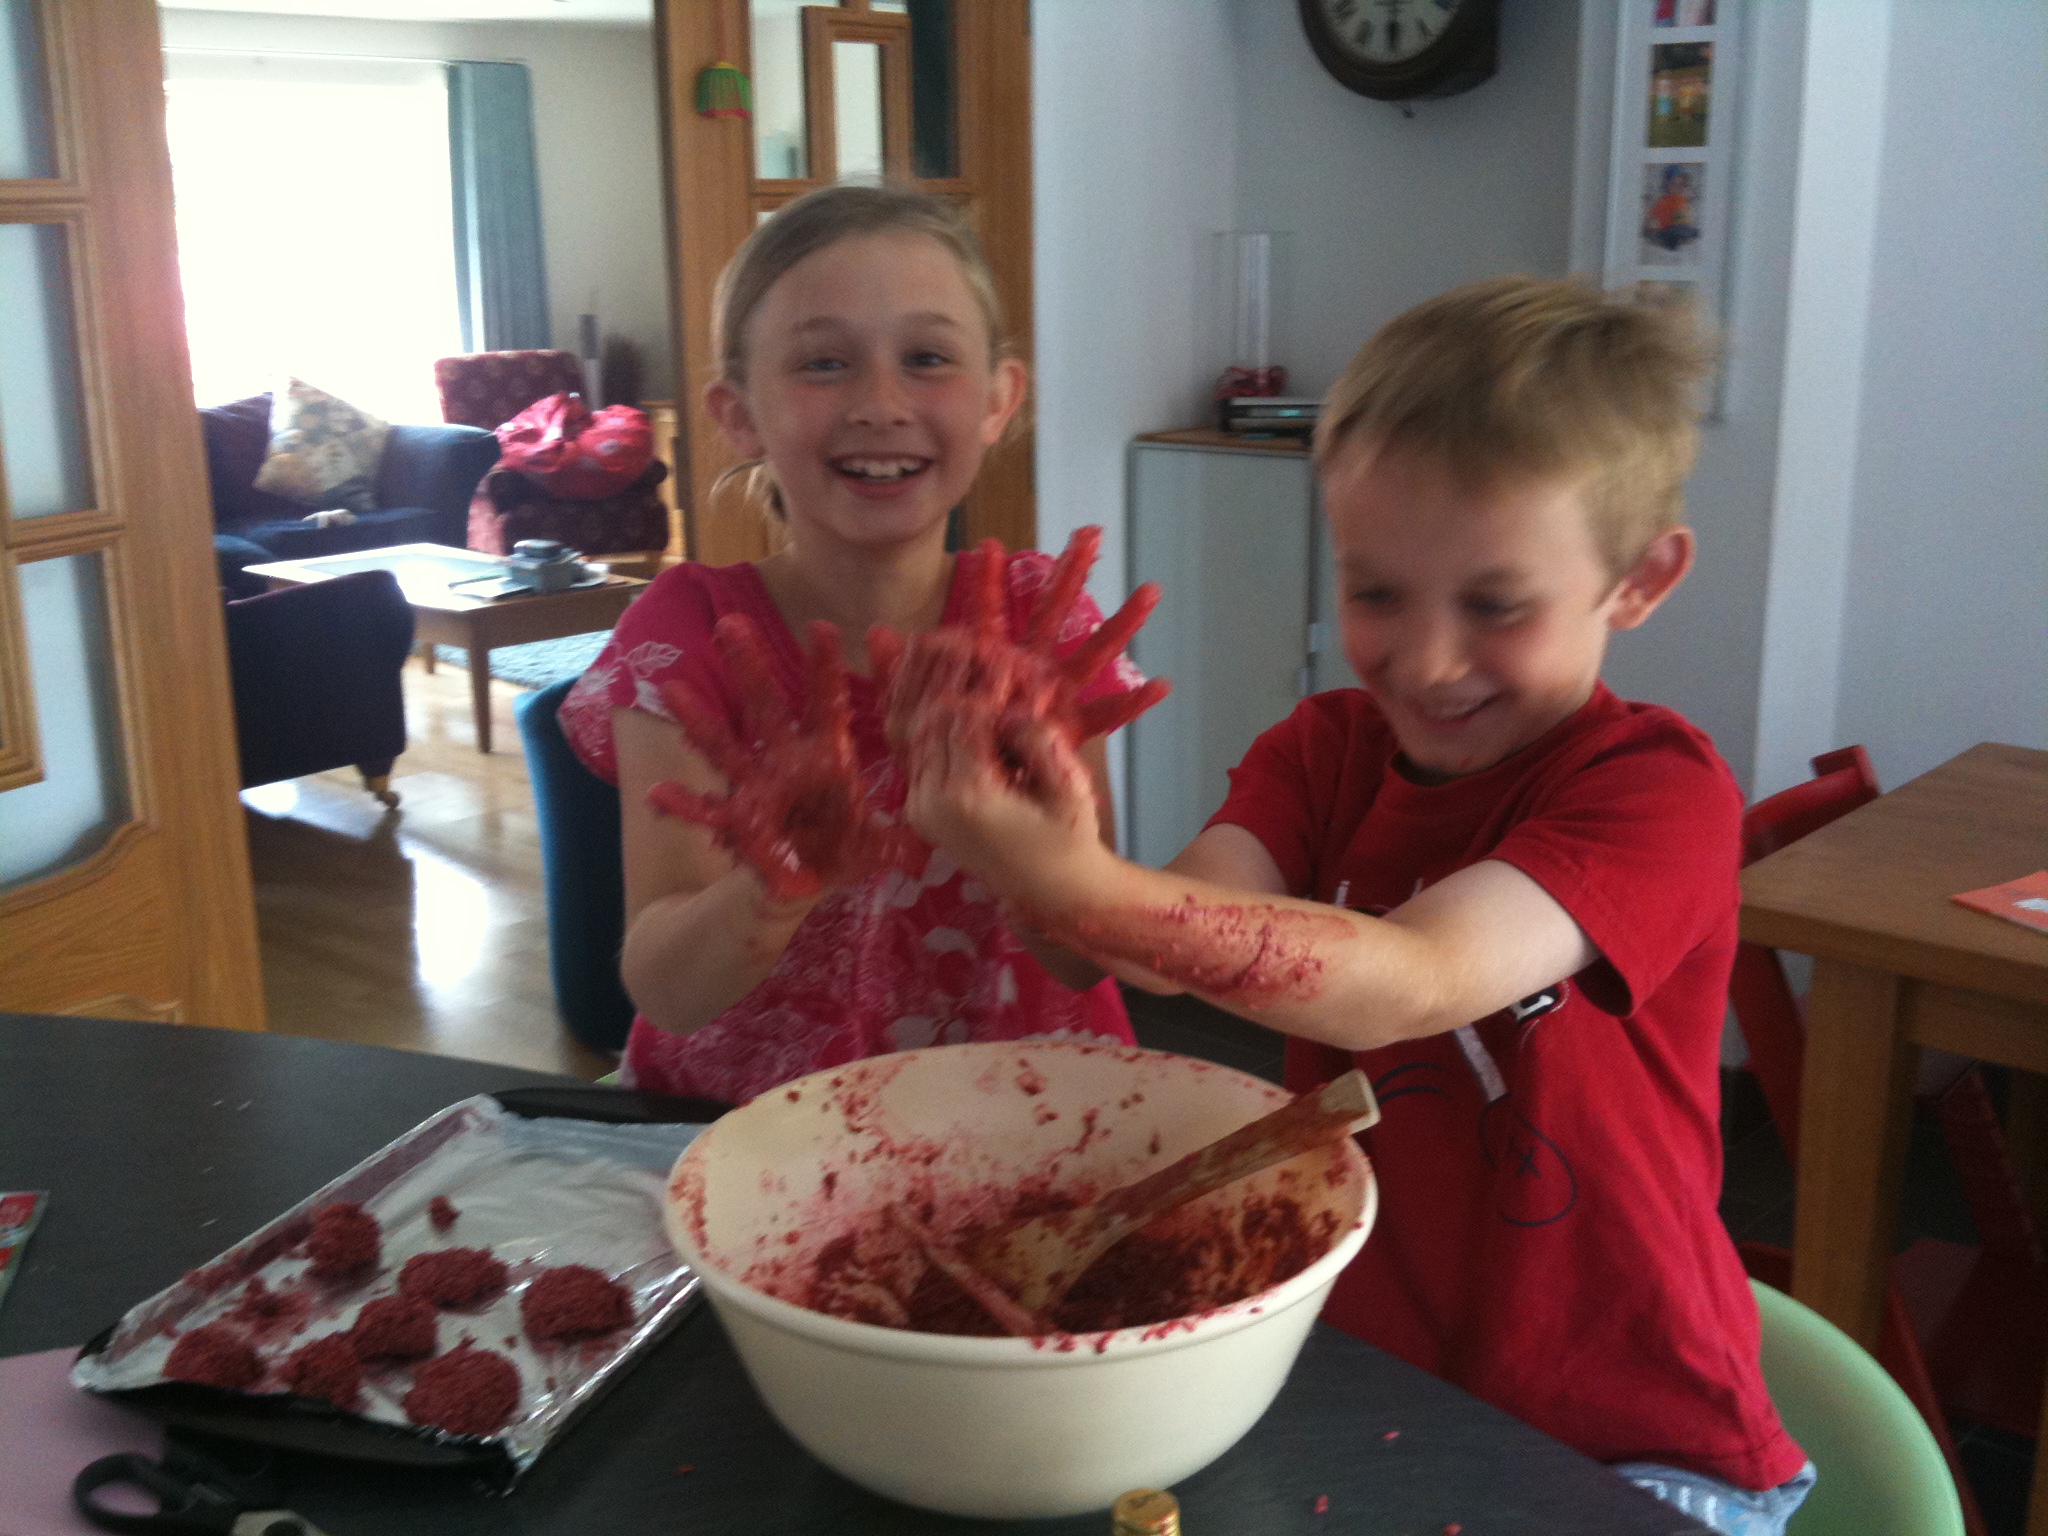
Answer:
(194, 1492)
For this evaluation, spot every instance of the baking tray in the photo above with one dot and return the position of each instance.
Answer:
(542, 1177)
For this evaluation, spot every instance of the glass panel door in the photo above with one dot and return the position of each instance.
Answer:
(42, 418)
(25, 146)
(857, 109)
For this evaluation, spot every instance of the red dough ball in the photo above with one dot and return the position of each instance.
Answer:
(442, 1213)
(573, 1301)
(395, 1328)
(452, 1277)
(214, 1356)
(467, 1391)
(345, 1240)
(327, 1369)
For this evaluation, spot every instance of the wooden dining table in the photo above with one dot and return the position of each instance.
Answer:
(1898, 965)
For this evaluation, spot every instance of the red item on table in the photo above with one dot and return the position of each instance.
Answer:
(452, 1277)
(395, 1328)
(345, 1240)
(213, 1356)
(574, 452)
(2023, 901)
(573, 1301)
(327, 1368)
(468, 1391)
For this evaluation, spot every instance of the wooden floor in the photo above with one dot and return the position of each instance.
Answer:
(425, 927)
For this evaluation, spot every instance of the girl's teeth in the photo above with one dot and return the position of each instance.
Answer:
(871, 469)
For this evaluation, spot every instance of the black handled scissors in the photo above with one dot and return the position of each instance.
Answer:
(194, 1492)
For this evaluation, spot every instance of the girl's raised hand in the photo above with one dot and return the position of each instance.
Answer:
(795, 810)
(1009, 683)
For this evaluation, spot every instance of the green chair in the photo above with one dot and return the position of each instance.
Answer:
(1881, 1474)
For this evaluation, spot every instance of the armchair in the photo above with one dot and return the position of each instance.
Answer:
(489, 389)
(315, 673)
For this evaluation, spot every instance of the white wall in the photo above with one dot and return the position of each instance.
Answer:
(1387, 210)
(1945, 641)
(597, 141)
(1134, 145)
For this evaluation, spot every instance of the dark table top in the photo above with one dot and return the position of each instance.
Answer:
(163, 1144)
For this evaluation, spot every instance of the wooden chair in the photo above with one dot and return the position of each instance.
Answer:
(1964, 1327)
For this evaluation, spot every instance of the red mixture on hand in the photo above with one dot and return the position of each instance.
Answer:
(345, 1240)
(467, 1391)
(1000, 685)
(452, 1277)
(573, 1301)
(442, 1213)
(327, 1369)
(214, 1356)
(795, 809)
(395, 1328)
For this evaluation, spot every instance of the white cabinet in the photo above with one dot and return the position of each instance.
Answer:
(1245, 626)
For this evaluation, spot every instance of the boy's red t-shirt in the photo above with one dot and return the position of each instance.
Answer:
(1548, 1237)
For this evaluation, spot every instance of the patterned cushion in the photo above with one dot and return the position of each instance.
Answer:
(324, 452)
(487, 389)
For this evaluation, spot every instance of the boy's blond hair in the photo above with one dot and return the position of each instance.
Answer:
(1536, 378)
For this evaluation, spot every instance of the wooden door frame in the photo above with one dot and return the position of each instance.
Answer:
(713, 200)
(169, 930)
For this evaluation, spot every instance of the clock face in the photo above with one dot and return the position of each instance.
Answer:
(1395, 50)
(1387, 31)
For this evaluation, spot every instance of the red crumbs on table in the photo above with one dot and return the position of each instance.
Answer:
(573, 1301)
(345, 1240)
(395, 1328)
(452, 1277)
(1322, 1504)
(688, 1466)
(213, 1356)
(1453, 1529)
(442, 1213)
(327, 1368)
(467, 1391)
(1391, 1436)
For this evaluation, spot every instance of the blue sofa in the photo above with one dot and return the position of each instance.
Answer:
(424, 485)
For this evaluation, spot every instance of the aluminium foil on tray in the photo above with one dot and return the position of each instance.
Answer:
(537, 1192)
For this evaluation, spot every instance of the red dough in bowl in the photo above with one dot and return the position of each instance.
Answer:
(452, 1277)
(214, 1356)
(345, 1240)
(442, 1213)
(327, 1369)
(395, 1328)
(467, 1391)
(573, 1301)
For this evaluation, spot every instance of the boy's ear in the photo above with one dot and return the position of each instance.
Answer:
(1654, 577)
(727, 405)
(1008, 382)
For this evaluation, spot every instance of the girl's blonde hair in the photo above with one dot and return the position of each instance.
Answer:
(810, 224)
(1538, 377)
(825, 217)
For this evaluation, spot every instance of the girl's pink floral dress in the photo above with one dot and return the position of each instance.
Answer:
(895, 962)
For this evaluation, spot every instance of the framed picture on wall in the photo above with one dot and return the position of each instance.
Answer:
(1670, 185)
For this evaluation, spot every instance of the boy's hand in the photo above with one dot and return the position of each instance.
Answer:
(1003, 794)
(796, 812)
(1022, 680)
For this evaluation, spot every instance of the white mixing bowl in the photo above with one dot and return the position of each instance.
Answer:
(1002, 1428)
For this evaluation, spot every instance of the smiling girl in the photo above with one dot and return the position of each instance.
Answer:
(862, 373)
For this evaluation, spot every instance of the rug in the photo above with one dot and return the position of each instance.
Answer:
(538, 664)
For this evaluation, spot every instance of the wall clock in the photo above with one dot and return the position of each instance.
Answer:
(1401, 50)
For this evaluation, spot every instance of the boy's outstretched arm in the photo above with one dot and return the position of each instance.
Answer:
(1018, 813)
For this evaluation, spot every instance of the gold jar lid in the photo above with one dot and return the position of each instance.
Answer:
(1145, 1512)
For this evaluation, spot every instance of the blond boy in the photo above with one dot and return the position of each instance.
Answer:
(1506, 893)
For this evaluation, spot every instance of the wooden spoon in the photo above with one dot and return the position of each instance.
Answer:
(1038, 1261)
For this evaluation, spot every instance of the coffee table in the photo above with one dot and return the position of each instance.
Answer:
(477, 624)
